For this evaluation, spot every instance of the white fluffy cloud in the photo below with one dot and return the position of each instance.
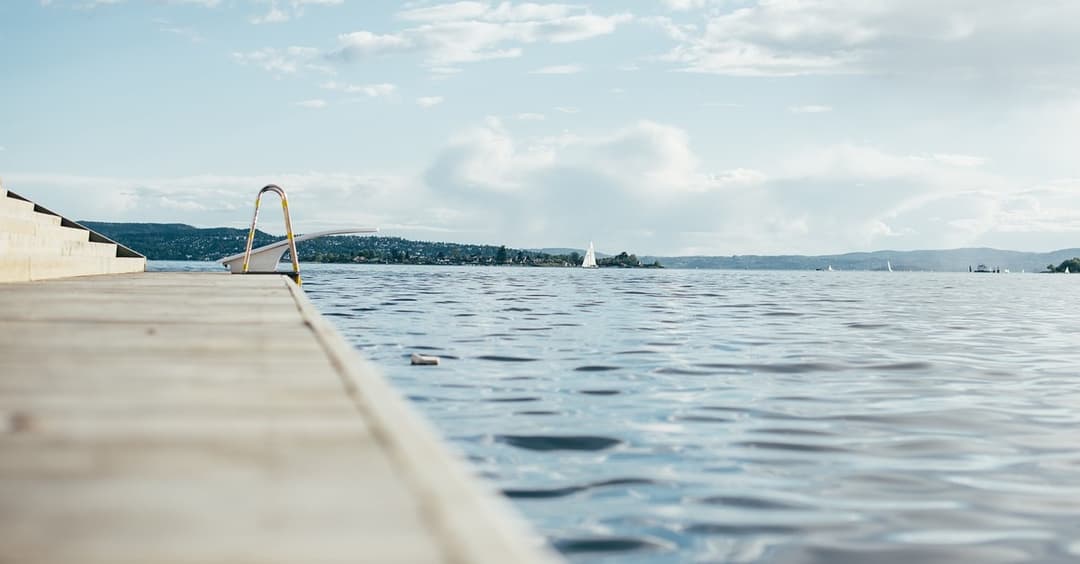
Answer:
(641, 188)
(962, 38)
(646, 188)
(463, 32)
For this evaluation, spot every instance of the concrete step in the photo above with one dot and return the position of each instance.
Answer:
(24, 268)
(15, 205)
(26, 213)
(42, 230)
(21, 244)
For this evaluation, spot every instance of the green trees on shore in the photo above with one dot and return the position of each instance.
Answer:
(184, 242)
(1073, 266)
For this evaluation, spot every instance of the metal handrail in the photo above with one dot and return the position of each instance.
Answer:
(288, 229)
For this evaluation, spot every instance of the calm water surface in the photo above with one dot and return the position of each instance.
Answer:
(724, 416)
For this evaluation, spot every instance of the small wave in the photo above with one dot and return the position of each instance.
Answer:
(780, 368)
(501, 358)
(600, 392)
(595, 368)
(867, 325)
(607, 544)
(796, 447)
(685, 371)
(559, 442)
(727, 529)
(536, 412)
(790, 431)
(540, 493)
(701, 419)
(747, 502)
(513, 400)
(917, 365)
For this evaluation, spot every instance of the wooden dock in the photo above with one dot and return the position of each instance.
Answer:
(184, 417)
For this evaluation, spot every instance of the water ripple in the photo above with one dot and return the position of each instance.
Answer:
(560, 442)
(748, 416)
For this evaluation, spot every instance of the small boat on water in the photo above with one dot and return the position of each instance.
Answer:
(590, 258)
(888, 264)
(982, 268)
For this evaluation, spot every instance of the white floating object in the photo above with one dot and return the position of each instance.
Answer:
(422, 360)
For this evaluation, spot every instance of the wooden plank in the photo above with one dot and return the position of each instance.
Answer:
(181, 418)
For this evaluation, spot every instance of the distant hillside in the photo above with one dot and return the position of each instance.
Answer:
(173, 241)
(953, 260)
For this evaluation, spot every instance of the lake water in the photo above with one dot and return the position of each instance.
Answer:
(725, 416)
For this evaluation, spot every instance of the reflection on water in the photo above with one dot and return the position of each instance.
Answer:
(671, 416)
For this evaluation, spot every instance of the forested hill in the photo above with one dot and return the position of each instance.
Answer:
(173, 241)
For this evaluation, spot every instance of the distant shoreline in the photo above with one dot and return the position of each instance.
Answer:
(184, 242)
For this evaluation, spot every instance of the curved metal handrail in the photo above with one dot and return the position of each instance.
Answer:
(288, 230)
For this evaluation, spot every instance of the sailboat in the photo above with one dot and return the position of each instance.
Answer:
(888, 264)
(590, 258)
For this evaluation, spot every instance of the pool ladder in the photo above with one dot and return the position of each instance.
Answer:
(288, 231)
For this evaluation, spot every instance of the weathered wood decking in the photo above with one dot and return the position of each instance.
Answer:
(173, 418)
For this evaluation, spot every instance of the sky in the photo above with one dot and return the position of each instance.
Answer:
(661, 127)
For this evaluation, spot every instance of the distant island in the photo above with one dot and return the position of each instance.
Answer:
(175, 241)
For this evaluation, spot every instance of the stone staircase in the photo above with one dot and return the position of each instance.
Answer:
(37, 244)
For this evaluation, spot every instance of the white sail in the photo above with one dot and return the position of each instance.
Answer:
(590, 258)
(889, 264)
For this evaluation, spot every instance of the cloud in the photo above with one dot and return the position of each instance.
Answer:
(280, 61)
(646, 189)
(567, 109)
(960, 160)
(91, 4)
(558, 69)
(380, 90)
(641, 187)
(275, 15)
(429, 101)
(683, 5)
(293, 9)
(316, 200)
(315, 104)
(810, 109)
(963, 39)
(530, 116)
(465, 32)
